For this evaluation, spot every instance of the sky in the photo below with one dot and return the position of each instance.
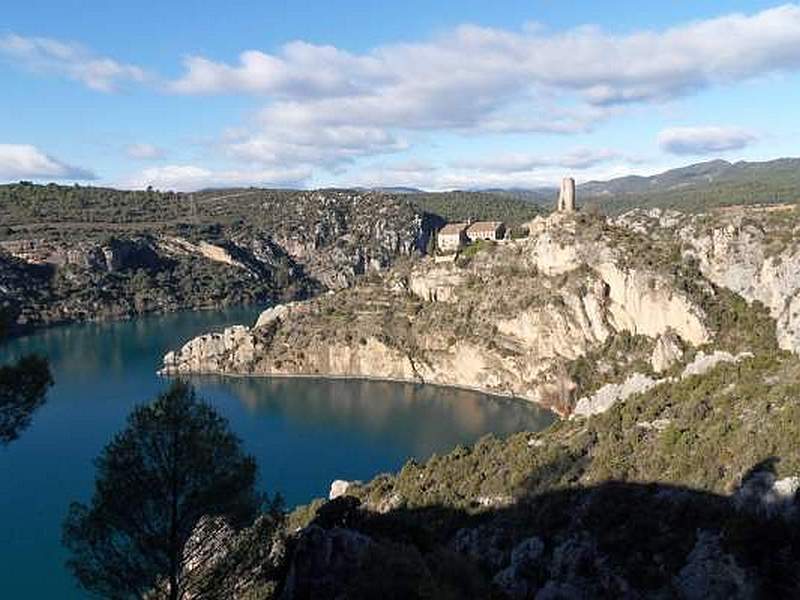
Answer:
(184, 95)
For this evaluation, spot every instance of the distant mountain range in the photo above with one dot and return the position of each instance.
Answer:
(692, 188)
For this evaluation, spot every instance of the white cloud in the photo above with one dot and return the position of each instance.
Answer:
(482, 80)
(23, 161)
(327, 107)
(191, 178)
(488, 174)
(579, 158)
(282, 143)
(98, 73)
(144, 151)
(475, 68)
(704, 140)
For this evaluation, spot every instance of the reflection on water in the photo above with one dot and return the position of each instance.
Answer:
(423, 419)
(303, 432)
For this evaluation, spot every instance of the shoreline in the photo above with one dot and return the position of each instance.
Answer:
(19, 331)
(335, 377)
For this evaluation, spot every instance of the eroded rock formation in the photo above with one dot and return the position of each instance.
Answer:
(502, 323)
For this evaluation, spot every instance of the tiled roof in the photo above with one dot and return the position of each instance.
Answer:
(484, 226)
(452, 228)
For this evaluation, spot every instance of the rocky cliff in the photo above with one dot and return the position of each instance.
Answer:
(338, 235)
(294, 245)
(751, 251)
(510, 319)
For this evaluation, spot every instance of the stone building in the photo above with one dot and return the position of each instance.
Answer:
(451, 237)
(486, 230)
(566, 196)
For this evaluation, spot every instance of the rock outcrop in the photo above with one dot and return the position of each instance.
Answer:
(611, 393)
(501, 323)
(296, 245)
(667, 352)
(750, 251)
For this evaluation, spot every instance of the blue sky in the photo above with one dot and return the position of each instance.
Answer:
(439, 95)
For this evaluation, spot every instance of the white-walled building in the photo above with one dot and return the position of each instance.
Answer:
(486, 230)
(451, 237)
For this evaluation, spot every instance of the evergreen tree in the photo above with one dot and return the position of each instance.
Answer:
(175, 463)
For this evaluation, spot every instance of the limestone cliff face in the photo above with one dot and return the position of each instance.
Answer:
(752, 252)
(501, 323)
(738, 258)
(112, 255)
(339, 235)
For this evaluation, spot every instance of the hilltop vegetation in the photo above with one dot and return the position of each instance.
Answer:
(478, 206)
(699, 187)
(73, 253)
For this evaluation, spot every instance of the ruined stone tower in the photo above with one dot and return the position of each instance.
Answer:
(566, 196)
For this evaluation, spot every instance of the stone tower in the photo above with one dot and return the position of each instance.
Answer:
(566, 196)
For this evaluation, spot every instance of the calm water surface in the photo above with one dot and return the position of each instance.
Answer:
(303, 432)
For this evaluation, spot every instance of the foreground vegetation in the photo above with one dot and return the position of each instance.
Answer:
(172, 480)
(564, 507)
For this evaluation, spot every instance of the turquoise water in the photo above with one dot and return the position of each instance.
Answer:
(303, 432)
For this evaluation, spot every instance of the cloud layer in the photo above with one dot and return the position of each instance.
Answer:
(23, 161)
(189, 178)
(70, 60)
(482, 80)
(324, 108)
(498, 64)
(704, 140)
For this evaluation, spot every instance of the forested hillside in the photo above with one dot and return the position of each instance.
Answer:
(511, 207)
(699, 187)
(75, 253)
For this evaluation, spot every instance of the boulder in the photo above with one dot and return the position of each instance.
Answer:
(338, 488)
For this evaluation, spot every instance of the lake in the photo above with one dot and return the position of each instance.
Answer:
(303, 432)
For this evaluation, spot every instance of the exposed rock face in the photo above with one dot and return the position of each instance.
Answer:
(737, 257)
(703, 362)
(210, 352)
(637, 308)
(298, 244)
(277, 312)
(667, 352)
(500, 324)
(339, 235)
(749, 251)
(114, 255)
(435, 286)
(338, 488)
(611, 393)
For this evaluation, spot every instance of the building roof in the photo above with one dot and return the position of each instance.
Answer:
(484, 227)
(452, 229)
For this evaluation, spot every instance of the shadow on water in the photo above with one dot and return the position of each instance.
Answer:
(610, 540)
(304, 433)
(23, 388)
